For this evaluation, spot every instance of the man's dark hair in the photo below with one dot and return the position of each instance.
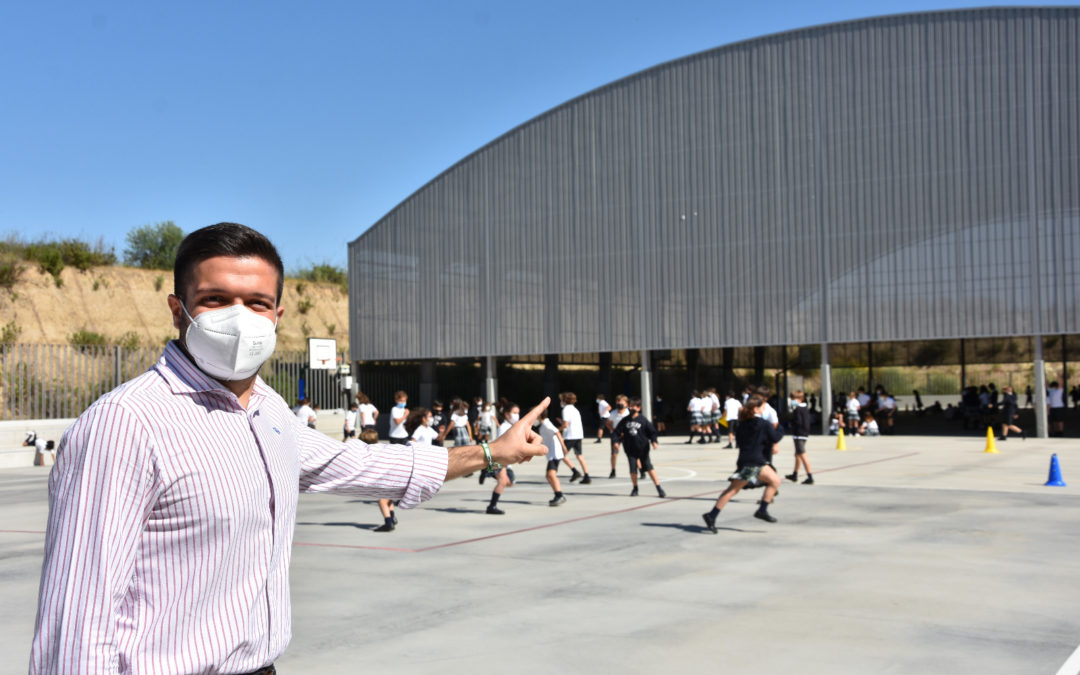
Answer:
(635, 402)
(223, 239)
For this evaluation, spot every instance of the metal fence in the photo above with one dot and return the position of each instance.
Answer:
(60, 381)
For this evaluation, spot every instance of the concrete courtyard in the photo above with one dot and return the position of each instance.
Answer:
(909, 555)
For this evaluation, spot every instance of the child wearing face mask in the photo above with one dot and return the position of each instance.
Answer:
(510, 414)
(485, 422)
(621, 410)
(398, 434)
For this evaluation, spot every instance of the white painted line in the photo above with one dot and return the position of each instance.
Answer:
(1072, 666)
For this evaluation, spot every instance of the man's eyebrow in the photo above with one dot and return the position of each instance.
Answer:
(224, 291)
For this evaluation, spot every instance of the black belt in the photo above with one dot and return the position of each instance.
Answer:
(265, 670)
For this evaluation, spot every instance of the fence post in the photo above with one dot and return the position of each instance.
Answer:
(118, 372)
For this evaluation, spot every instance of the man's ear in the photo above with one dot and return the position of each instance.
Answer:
(280, 313)
(177, 311)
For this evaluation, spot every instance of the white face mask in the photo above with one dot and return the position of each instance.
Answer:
(427, 421)
(513, 418)
(230, 343)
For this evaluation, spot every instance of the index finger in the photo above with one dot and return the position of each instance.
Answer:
(535, 412)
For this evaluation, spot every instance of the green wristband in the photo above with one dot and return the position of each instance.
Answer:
(492, 466)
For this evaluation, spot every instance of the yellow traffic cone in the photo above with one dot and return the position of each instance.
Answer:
(841, 444)
(991, 444)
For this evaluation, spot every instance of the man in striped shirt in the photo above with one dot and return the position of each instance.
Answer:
(173, 499)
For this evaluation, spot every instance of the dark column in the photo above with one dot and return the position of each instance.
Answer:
(870, 367)
(963, 366)
(759, 365)
(692, 356)
(428, 385)
(1065, 371)
(727, 378)
(603, 377)
(551, 378)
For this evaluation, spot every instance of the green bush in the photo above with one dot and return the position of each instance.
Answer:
(159, 281)
(153, 246)
(323, 273)
(49, 259)
(10, 333)
(129, 340)
(304, 305)
(10, 270)
(53, 255)
(83, 339)
(82, 256)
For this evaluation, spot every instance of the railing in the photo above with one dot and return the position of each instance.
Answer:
(60, 381)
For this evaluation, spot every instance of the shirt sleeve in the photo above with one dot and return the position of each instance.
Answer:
(101, 492)
(411, 473)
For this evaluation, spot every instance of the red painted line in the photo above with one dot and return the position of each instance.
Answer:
(451, 544)
(875, 461)
(356, 546)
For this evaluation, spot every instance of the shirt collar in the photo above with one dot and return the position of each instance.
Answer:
(184, 377)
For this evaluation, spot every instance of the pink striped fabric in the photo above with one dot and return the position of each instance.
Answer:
(171, 514)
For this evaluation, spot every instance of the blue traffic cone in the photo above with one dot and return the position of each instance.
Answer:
(1055, 473)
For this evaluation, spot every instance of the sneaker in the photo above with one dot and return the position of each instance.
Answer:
(388, 527)
(710, 522)
(1003, 438)
(701, 441)
(585, 480)
(575, 476)
(793, 477)
(660, 492)
(557, 500)
(612, 474)
(809, 480)
(495, 511)
(633, 493)
(728, 446)
(764, 515)
(598, 440)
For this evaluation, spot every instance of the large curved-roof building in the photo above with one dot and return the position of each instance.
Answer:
(895, 178)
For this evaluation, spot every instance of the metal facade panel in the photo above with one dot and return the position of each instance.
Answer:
(896, 178)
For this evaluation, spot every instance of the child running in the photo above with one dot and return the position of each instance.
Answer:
(800, 431)
(386, 507)
(573, 432)
(603, 409)
(638, 436)
(510, 414)
(756, 439)
(614, 417)
(551, 437)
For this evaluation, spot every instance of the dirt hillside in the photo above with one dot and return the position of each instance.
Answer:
(114, 301)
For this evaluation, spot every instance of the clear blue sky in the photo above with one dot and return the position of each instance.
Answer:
(308, 120)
